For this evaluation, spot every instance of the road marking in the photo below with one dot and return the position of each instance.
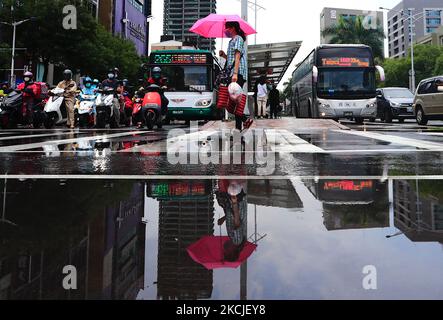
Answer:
(284, 141)
(431, 133)
(34, 136)
(397, 140)
(65, 141)
(213, 177)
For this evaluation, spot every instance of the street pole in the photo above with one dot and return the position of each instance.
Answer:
(244, 15)
(255, 20)
(411, 22)
(12, 80)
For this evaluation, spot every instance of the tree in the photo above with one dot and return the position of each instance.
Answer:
(89, 48)
(355, 31)
(428, 61)
(287, 89)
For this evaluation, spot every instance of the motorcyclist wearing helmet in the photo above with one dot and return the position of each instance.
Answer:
(112, 82)
(70, 88)
(95, 83)
(157, 79)
(30, 95)
(88, 88)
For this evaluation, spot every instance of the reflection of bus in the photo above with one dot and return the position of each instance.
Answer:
(336, 81)
(180, 190)
(343, 191)
(190, 80)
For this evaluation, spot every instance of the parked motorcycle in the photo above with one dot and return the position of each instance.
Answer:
(55, 109)
(104, 108)
(148, 110)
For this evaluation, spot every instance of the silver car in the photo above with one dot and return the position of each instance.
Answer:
(428, 100)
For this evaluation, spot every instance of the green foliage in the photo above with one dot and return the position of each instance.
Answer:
(354, 31)
(287, 91)
(428, 61)
(89, 49)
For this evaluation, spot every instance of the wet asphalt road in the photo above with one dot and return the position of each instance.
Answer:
(372, 150)
(332, 204)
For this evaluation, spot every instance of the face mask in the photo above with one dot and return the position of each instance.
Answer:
(110, 76)
(27, 79)
(156, 76)
(228, 34)
(87, 85)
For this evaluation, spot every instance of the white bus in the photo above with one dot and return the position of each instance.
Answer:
(336, 81)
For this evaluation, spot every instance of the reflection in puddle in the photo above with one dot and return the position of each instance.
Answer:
(221, 239)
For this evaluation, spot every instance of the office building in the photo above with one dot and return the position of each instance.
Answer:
(428, 17)
(180, 16)
(330, 17)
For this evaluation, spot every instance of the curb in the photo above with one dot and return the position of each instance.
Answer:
(337, 124)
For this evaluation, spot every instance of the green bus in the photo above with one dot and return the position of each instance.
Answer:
(190, 78)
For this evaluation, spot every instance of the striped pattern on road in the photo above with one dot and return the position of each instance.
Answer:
(284, 141)
(66, 141)
(397, 140)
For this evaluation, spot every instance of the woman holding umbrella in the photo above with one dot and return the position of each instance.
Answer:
(236, 61)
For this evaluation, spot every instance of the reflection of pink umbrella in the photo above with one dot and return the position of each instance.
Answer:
(213, 26)
(209, 251)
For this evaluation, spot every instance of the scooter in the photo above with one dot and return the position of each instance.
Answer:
(55, 109)
(149, 109)
(104, 108)
(85, 109)
(126, 114)
(13, 111)
(10, 110)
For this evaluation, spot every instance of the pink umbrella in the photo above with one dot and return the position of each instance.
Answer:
(213, 26)
(209, 251)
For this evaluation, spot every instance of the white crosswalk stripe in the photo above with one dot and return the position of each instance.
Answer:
(421, 144)
(284, 141)
(66, 141)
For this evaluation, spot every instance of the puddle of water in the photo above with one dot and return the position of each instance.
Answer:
(168, 239)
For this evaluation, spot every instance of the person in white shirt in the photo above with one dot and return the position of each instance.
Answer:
(262, 97)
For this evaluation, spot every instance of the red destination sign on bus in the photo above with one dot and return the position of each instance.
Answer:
(345, 62)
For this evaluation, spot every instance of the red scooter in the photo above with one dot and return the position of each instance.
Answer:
(148, 110)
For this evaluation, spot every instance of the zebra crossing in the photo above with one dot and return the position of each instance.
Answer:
(281, 141)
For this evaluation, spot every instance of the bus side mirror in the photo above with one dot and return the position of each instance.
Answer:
(381, 71)
(314, 74)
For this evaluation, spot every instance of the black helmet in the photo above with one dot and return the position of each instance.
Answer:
(67, 74)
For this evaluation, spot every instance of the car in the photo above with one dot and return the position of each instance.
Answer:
(428, 100)
(395, 103)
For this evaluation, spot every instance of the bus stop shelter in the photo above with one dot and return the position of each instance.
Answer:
(271, 60)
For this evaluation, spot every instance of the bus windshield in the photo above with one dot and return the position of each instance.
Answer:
(346, 82)
(187, 78)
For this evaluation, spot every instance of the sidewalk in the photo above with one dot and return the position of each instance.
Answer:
(284, 123)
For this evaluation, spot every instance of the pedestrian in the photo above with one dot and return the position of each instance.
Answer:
(262, 97)
(231, 196)
(274, 100)
(236, 62)
(222, 58)
(70, 88)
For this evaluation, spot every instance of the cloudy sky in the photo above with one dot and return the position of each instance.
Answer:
(283, 20)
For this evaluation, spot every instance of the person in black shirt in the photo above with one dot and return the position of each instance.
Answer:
(274, 100)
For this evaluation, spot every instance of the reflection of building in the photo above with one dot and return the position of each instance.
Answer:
(186, 214)
(352, 204)
(273, 193)
(180, 16)
(105, 244)
(419, 213)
